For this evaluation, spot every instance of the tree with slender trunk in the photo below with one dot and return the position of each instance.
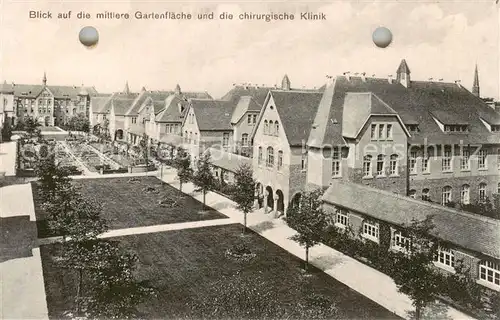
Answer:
(182, 162)
(203, 178)
(415, 274)
(244, 193)
(309, 220)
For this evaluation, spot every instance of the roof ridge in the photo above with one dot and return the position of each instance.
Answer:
(425, 203)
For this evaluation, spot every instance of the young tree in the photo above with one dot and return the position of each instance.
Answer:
(51, 176)
(204, 179)
(116, 293)
(79, 122)
(309, 220)
(182, 162)
(31, 126)
(415, 274)
(143, 148)
(245, 191)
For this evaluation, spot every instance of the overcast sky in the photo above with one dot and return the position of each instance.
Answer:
(438, 40)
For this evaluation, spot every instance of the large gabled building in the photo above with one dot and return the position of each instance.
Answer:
(49, 104)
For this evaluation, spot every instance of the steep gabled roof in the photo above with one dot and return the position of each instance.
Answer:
(297, 111)
(414, 105)
(212, 115)
(246, 103)
(121, 105)
(467, 230)
(34, 90)
(98, 103)
(358, 107)
(171, 112)
(154, 95)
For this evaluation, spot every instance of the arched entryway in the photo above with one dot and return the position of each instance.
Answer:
(270, 199)
(295, 200)
(281, 201)
(119, 134)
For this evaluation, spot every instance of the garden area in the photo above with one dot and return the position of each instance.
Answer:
(92, 159)
(216, 273)
(134, 202)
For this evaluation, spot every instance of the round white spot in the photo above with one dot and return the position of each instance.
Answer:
(89, 36)
(382, 37)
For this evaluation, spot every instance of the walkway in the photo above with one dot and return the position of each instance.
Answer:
(22, 291)
(8, 158)
(369, 282)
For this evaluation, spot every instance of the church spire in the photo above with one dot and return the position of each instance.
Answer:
(285, 83)
(403, 74)
(177, 89)
(44, 80)
(475, 86)
(126, 90)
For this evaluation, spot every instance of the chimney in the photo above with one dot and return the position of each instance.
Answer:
(458, 83)
(389, 78)
(363, 76)
(347, 75)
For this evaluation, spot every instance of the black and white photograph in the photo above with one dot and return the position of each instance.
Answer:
(250, 160)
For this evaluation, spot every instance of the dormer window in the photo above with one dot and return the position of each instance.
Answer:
(455, 128)
(412, 127)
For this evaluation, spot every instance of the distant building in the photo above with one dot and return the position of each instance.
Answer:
(49, 104)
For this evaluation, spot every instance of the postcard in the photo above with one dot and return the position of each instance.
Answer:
(250, 159)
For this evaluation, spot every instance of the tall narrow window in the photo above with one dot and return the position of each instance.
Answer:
(446, 195)
(280, 160)
(367, 166)
(276, 128)
(249, 119)
(266, 127)
(244, 139)
(303, 162)
(465, 194)
(260, 158)
(446, 160)
(445, 258)
(374, 132)
(389, 132)
(381, 131)
(481, 159)
(393, 165)
(465, 163)
(254, 119)
(425, 161)
(482, 191)
(336, 158)
(498, 159)
(413, 162)
(270, 157)
(225, 139)
(380, 165)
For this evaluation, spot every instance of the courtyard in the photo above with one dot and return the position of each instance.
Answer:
(135, 202)
(196, 278)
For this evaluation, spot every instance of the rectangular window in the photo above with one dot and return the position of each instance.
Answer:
(370, 230)
(389, 132)
(249, 119)
(400, 242)
(446, 160)
(445, 258)
(425, 163)
(225, 139)
(280, 160)
(380, 165)
(489, 272)
(498, 159)
(413, 162)
(374, 132)
(381, 131)
(465, 163)
(260, 156)
(393, 165)
(481, 159)
(303, 162)
(336, 158)
(341, 218)
(254, 119)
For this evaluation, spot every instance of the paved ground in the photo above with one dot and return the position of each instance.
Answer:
(8, 158)
(22, 291)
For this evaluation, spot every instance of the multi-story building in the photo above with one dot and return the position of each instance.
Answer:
(49, 104)
(425, 139)
(7, 106)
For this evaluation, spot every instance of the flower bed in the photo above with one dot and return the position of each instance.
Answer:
(92, 160)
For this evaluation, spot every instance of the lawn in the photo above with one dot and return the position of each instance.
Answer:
(133, 202)
(50, 129)
(196, 279)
